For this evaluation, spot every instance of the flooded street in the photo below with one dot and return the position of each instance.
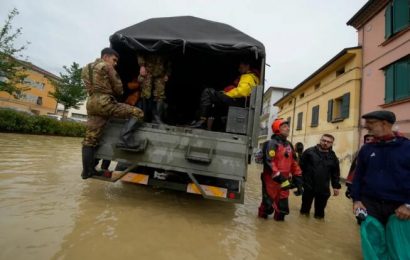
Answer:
(48, 212)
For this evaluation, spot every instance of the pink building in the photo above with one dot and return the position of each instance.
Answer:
(384, 34)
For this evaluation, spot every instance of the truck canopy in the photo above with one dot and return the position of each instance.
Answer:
(202, 54)
(186, 32)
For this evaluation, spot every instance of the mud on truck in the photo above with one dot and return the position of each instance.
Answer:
(212, 163)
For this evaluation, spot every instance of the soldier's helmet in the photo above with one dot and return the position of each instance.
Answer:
(277, 123)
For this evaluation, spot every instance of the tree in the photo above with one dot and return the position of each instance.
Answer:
(70, 90)
(12, 71)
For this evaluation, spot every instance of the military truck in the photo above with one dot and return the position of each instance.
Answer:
(173, 155)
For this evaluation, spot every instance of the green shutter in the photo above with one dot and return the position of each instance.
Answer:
(401, 79)
(345, 105)
(315, 116)
(389, 84)
(299, 123)
(400, 15)
(388, 21)
(330, 110)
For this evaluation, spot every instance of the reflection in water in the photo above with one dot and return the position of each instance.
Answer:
(48, 212)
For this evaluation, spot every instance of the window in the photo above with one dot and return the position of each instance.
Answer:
(34, 84)
(288, 120)
(397, 80)
(315, 116)
(340, 71)
(396, 17)
(302, 95)
(299, 123)
(30, 98)
(39, 101)
(338, 109)
(290, 102)
(317, 86)
(79, 115)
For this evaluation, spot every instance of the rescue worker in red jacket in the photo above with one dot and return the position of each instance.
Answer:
(281, 172)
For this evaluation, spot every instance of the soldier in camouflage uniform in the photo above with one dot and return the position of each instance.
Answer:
(103, 86)
(154, 71)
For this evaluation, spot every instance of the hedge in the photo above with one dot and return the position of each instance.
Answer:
(20, 122)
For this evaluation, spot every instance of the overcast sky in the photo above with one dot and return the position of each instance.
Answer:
(299, 35)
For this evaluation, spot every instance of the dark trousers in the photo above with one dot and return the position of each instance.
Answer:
(380, 209)
(211, 98)
(320, 203)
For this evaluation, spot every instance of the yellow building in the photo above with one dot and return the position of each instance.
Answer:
(36, 99)
(328, 101)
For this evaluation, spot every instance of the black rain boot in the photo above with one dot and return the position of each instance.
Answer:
(88, 153)
(201, 123)
(158, 112)
(105, 164)
(127, 139)
(88, 162)
(147, 108)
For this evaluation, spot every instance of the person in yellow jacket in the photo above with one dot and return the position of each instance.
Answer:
(233, 95)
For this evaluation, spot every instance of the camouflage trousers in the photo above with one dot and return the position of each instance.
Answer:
(153, 85)
(100, 108)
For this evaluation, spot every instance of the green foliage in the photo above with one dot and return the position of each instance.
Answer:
(20, 122)
(70, 90)
(11, 70)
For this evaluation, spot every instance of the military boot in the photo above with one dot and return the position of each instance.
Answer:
(127, 140)
(147, 108)
(158, 112)
(88, 154)
(105, 165)
(88, 162)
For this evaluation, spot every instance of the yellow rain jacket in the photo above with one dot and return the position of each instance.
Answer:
(247, 83)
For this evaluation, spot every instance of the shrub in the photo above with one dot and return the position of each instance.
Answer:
(20, 122)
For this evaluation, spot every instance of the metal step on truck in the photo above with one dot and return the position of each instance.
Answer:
(209, 162)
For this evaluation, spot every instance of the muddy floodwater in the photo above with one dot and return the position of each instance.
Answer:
(48, 212)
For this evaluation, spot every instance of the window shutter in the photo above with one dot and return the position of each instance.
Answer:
(400, 14)
(389, 84)
(330, 110)
(401, 79)
(300, 118)
(345, 105)
(388, 21)
(315, 116)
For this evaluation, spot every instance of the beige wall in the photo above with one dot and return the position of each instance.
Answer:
(346, 132)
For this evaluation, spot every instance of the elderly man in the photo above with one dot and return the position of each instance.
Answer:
(381, 184)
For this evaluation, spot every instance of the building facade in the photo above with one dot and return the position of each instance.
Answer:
(36, 99)
(328, 102)
(269, 112)
(384, 33)
(79, 114)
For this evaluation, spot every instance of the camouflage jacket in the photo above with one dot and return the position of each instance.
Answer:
(100, 77)
(156, 65)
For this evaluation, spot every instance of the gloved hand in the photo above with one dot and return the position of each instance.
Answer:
(348, 191)
(299, 191)
(284, 183)
(278, 177)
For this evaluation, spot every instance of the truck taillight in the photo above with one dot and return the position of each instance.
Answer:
(231, 195)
